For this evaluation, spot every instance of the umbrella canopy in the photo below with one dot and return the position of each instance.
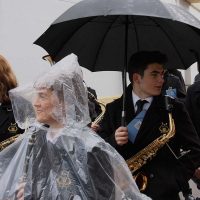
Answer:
(104, 33)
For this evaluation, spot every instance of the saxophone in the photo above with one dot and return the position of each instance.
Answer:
(101, 115)
(103, 108)
(8, 141)
(141, 158)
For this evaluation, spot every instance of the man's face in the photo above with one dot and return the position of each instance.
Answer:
(151, 83)
(44, 104)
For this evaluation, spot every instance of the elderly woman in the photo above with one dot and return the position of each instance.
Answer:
(59, 157)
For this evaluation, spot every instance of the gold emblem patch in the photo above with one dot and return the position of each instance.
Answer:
(164, 128)
(13, 128)
(63, 180)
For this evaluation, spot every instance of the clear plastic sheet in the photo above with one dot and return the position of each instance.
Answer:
(61, 159)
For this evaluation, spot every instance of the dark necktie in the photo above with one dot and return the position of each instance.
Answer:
(140, 103)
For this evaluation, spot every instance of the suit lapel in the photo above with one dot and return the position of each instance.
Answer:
(130, 111)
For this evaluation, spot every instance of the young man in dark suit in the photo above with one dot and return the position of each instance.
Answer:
(168, 168)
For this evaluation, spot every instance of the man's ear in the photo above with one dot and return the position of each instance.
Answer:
(136, 78)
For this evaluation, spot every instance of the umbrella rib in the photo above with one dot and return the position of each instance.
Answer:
(154, 20)
(136, 33)
(99, 49)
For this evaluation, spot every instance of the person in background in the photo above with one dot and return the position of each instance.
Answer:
(8, 81)
(178, 74)
(174, 84)
(94, 106)
(147, 119)
(197, 77)
(193, 106)
(60, 157)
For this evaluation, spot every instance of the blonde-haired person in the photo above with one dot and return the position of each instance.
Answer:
(8, 81)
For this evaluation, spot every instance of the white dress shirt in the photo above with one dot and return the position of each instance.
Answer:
(135, 98)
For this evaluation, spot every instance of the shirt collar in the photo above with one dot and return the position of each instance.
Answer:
(52, 135)
(135, 98)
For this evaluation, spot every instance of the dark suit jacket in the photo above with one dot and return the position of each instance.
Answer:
(49, 160)
(8, 126)
(163, 169)
(193, 104)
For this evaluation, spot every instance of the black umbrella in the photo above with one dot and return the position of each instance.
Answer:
(104, 33)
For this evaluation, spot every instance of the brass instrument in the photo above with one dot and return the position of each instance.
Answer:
(49, 59)
(8, 141)
(141, 158)
(103, 108)
(100, 116)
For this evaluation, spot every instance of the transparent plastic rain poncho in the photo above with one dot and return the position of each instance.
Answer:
(62, 158)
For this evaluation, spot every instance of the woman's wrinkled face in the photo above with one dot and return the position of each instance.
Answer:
(44, 105)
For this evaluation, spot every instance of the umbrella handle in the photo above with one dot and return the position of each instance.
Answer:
(123, 119)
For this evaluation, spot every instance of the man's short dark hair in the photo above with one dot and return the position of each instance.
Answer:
(139, 61)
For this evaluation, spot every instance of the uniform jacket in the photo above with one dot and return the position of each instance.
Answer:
(193, 104)
(48, 159)
(164, 169)
(8, 126)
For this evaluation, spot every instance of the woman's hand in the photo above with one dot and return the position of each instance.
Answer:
(95, 127)
(20, 191)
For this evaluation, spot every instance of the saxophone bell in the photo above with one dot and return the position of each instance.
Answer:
(141, 181)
